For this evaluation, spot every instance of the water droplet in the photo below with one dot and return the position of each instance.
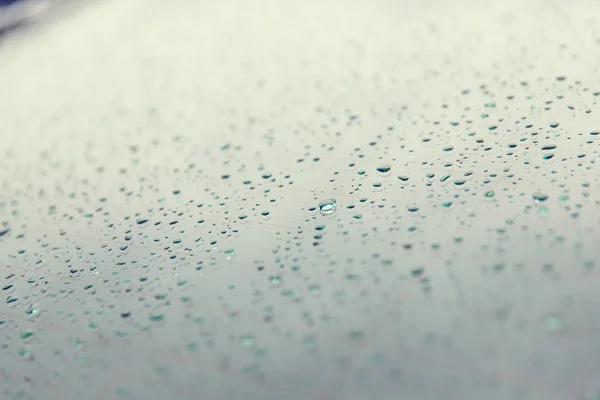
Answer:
(539, 197)
(554, 323)
(27, 334)
(33, 310)
(275, 280)
(328, 206)
(156, 317)
(26, 354)
(384, 169)
(247, 340)
(314, 289)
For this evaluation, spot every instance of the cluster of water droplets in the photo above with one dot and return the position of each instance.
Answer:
(278, 236)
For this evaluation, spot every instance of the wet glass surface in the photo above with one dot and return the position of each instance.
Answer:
(301, 200)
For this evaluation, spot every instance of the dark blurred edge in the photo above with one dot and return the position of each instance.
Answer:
(16, 14)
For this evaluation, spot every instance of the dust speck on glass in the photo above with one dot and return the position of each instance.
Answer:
(301, 200)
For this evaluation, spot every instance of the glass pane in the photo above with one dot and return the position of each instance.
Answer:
(300, 200)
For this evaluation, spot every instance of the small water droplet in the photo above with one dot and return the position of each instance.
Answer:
(156, 317)
(33, 310)
(247, 340)
(275, 280)
(314, 289)
(26, 334)
(26, 354)
(554, 323)
(547, 157)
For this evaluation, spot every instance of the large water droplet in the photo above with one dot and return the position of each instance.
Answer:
(539, 197)
(384, 169)
(327, 207)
